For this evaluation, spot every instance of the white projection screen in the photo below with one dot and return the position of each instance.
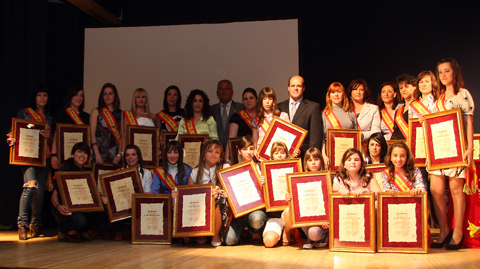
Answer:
(250, 54)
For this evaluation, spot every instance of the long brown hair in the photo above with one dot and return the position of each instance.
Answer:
(175, 146)
(409, 164)
(335, 86)
(396, 99)
(343, 175)
(136, 93)
(313, 153)
(435, 86)
(457, 75)
(246, 141)
(265, 93)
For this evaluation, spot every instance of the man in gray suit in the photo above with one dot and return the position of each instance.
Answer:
(222, 111)
(303, 113)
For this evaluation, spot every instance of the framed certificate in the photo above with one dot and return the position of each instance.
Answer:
(151, 218)
(338, 141)
(146, 138)
(118, 187)
(194, 211)
(476, 147)
(78, 191)
(377, 170)
(192, 148)
(100, 169)
(402, 223)
(67, 135)
(445, 139)
(233, 149)
(286, 132)
(30, 147)
(352, 223)
(244, 192)
(275, 173)
(416, 142)
(167, 137)
(309, 204)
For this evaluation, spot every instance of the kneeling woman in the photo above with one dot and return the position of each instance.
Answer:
(78, 221)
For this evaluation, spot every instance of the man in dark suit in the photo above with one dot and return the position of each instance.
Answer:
(222, 111)
(303, 113)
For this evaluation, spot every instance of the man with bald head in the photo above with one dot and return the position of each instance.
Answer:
(303, 113)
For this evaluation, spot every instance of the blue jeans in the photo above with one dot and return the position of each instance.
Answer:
(32, 197)
(255, 221)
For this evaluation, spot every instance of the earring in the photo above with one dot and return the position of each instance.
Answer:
(220, 160)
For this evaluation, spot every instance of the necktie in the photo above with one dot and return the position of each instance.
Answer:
(294, 109)
(224, 115)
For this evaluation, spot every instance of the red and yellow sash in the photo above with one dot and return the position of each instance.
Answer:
(190, 126)
(74, 115)
(265, 124)
(168, 181)
(387, 119)
(419, 107)
(131, 120)
(35, 115)
(332, 120)
(441, 103)
(401, 123)
(246, 117)
(400, 182)
(111, 122)
(169, 121)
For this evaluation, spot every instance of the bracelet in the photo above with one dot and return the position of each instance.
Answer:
(467, 148)
(57, 205)
(53, 154)
(93, 144)
(120, 154)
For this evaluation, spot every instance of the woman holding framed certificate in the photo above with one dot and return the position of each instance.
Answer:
(34, 177)
(133, 158)
(105, 124)
(452, 95)
(388, 101)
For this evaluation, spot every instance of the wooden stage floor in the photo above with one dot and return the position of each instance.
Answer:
(103, 252)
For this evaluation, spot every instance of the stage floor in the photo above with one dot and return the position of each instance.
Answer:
(103, 252)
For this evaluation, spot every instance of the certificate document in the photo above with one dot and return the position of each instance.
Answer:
(144, 142)
(192, 153)
(282, 136)
(151, 219)
(351, 223)
(29, 145)
(476, 148)
(402, 223)
(244, 189)
(341, 145)
(279, 182)
(420, 151)
(444, 141)
(122, 191)
(194, 210)
(69, 140)
(310, 199)
(79, 191)
(378, 179)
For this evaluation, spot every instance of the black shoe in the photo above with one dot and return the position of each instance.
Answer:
(62, 237)
(22, 232)
(445, 240)
(455, 246)
(35, 230)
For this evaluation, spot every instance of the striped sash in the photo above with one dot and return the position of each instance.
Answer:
(168, 181)
(111, 122)
(401, 123)
(190, 126)
(169, 121)
(246, 117)
(387, 119)
(419, 107)
(131, 120)
(332, 120)
(36, 116)
(74, 116)
(400, 182)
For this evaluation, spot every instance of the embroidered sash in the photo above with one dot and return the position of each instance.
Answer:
(400, 182)
(111, 122)
(169, 181)
(190, 126)
(441, 103)
(332, 120)
(419, 107)
(246, 117)
(264, 125)
(169, 121)
(74, 116)
(387, 119)
(401, 123)
(36, 116)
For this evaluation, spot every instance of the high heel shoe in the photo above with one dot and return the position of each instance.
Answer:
(455, 246)
(445, 241)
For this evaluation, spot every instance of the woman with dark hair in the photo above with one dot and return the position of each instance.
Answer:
(34, 178)
(78, 221)
(368, 117)
(407, 85)
(105, 123)
(197, 116)
(241, 122)
(171, 114)
(71, 113)
(376, 149)
(173, 171)
(388, 101)
(133, 158)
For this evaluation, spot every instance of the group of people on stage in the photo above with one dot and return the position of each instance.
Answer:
(353, 108)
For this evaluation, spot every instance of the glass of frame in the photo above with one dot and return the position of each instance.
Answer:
(338, 141)
(146, 138)
(118, 187)
(233, 149)
(280, 130)
(30, 147)
(445, 139)
(476, 147)
(276, 186)
(402, 223)
(377, 170)
(309, 204)
(151, 218)
(241, 181)
(67, 135)
(416, 142)
(194, 211)
(78, 191)
(192, 147)
(352, 223)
